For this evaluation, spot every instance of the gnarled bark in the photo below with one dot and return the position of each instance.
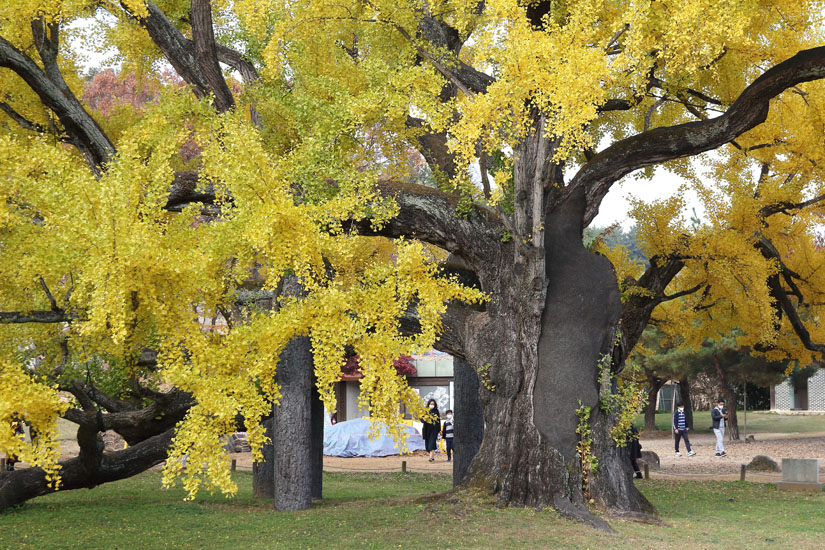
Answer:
(538, 348)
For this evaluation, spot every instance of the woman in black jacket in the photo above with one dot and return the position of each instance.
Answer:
(431, 428)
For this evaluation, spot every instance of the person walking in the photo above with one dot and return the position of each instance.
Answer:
(680, 428)
(430, 429)
(447, 434)
(719, 416)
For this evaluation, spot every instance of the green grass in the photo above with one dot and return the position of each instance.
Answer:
(388, 511)
(758, 422)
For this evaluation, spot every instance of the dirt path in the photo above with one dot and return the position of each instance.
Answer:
(705, 466)
(701, 467)
(416, 462)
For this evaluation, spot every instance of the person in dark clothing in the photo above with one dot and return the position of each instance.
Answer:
(447, 434)
(635, 450)
(431, 428)
(680, 429)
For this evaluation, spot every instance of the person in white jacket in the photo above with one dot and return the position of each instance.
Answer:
(719, 417)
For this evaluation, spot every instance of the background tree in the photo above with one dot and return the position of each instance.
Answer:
(722, 361)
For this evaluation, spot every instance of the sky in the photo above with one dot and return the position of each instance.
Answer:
(616, 204)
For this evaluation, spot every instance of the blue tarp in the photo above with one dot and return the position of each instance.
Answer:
(350, 438)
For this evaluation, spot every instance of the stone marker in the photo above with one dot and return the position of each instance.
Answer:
(763, 463)
(800, 474)
(651, 459)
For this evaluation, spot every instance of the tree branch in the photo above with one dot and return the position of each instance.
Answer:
(637, 308)
(466, 78)
(796, 321)
(787, 206)
(87, 136)
(686, 292)
(52, 301)
(21, 120)
(21, 485)
(203, 36)
(178, 50)
(430, 215)
(434, 147)
(184, 191)
(16, 317)
(669, 143)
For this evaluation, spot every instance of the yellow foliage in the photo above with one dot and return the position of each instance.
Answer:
(338, 80)
(39, 405)
(136, 272)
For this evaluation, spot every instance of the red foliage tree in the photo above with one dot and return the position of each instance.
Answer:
(403, 365)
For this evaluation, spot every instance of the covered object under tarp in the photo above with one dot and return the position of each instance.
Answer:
(351, 438)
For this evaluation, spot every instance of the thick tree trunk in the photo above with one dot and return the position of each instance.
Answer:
(684, 393)
(291, 428)
(263, 473)
(653, 386)
(469, 419)
(538, 348)
(81, 473)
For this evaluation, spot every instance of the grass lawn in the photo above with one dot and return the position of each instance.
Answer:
(392, 511)
(758, 422)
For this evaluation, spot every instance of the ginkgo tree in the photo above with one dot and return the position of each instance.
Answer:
(115, 275)
(551, 102)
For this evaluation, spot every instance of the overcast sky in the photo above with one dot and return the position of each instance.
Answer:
(616, 204)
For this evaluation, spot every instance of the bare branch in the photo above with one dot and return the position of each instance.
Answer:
(482, 166)
(787, 207)
(796, 322)
(434, 147)
(178, 50)
(658, 103)
(636, 310)
(235, 60)
(52, 301)
(616, 36)
(20, 120)
(466, 78)
(686, 292)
